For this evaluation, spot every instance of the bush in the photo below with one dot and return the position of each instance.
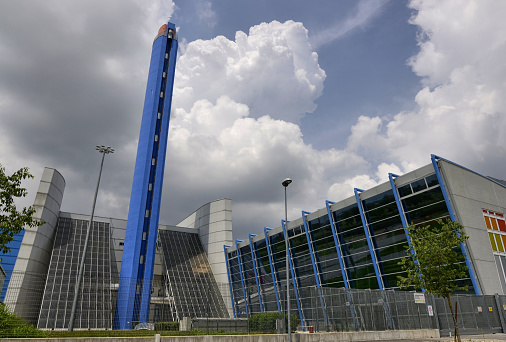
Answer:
(167, 326)
(13, 326)
(266, 322)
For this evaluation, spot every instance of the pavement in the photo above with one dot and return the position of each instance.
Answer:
(464, 338)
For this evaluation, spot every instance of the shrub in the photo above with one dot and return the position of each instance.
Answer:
(13, 326)
(167, 326)
(266, 322)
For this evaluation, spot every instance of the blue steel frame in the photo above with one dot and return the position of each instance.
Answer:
(254, 259)
(294, 281)
(399, 208)
(401, 212)
(368, 237)
(338, 245)
(315, 268)
(434, 158)
(229, 279)
(341, 263)
(311, 251)
(273, 272)
(240, 261)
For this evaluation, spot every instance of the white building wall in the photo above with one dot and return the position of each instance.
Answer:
(470, 193)
(24, 293)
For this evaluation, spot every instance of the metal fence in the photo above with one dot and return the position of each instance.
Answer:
(47, 305)
(338, 309)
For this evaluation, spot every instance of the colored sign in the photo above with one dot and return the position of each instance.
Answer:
(430, 310)
(419, 298)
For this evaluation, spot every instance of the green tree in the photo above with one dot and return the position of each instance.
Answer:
(435, 261)
(13, 221)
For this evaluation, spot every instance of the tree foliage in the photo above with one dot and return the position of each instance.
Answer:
(435, 261)
(13, 221)
(12, 326)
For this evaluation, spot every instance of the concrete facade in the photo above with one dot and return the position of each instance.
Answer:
(470, 194)
(35, 252)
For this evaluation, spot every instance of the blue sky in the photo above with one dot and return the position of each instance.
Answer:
(334, 94)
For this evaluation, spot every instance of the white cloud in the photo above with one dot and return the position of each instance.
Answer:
(272, 70)
(206, 14)
(366, 10)
(462, 114)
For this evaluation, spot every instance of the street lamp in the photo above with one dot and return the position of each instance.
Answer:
(285, 183)
(104, 150)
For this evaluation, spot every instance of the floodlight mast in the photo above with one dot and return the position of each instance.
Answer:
(103, 150)
(285, 183)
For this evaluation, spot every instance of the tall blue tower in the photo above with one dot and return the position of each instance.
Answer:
(134, 292)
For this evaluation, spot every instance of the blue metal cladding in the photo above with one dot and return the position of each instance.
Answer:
(9, 260)
(254, 260)
(229, 279)
(452, 216)
(273, 271)
(368, 237)
(142, 225)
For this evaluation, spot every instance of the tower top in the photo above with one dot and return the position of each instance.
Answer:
(168, 30)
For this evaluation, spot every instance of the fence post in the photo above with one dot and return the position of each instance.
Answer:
(500, 311)
(434, 310)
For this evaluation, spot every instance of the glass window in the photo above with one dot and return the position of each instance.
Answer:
(492, 242)
(405, 190)
(432, 180)
(419, 185)
(499, 243)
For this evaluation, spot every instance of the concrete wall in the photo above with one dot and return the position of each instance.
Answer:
(24, 293)
(470, 193)
(400, 335)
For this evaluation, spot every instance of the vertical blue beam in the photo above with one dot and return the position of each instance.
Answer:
(311, 251)
(341, 262)
(129, 274)
(368, 237)
(239, 259)
(273, 272)
(294, 281)
(253, 258)
(229, 279)
(399, 207)
(452, 216)
(401, 213)
(315, 268)
(338, 245)
(149, 260)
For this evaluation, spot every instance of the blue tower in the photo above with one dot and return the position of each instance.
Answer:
(136, 275)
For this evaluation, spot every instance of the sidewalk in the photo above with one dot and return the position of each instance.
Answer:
(464, 338)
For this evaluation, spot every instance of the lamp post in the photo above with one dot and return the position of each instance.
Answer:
(285, 183)
(104, 150)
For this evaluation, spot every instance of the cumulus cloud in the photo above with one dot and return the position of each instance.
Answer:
(272, 70)
(237, 105)
(461, 111)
